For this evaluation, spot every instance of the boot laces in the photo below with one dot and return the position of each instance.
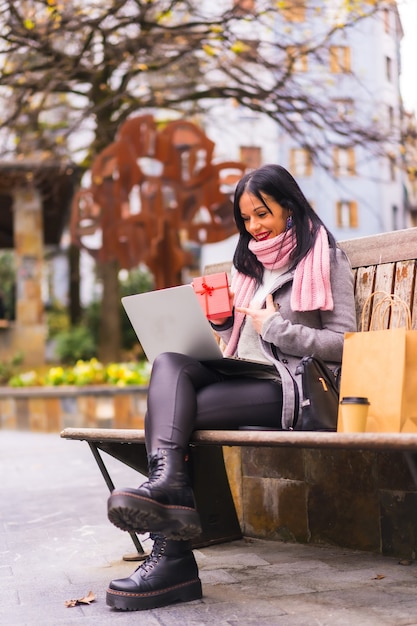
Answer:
(157, 466)
(158, 550)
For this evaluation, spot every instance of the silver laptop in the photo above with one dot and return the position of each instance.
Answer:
(172, 320)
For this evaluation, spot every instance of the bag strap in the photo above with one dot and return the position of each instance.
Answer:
(389, 304)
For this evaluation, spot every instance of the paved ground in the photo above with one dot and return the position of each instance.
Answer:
(56, 544)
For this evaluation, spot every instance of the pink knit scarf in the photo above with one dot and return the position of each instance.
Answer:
(311, 288)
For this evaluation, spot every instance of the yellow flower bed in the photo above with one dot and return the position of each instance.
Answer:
(87, 373)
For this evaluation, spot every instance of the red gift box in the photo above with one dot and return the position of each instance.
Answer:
(213, 294)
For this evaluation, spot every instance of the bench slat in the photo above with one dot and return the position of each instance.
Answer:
(403, 287)
(398, 245)
(295, 439)
(117, 435)
(384, 281)
(365, 278)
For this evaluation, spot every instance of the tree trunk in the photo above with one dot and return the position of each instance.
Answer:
(110, 326)
(74, 285)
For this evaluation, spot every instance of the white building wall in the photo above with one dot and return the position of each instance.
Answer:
(231, 127)
(376, 188)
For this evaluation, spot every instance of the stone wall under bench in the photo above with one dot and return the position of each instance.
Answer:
(361, 500)
(51, 409)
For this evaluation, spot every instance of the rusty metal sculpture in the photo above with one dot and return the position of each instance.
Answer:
(151, 190)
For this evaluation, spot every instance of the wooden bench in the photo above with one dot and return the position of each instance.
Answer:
(384, 262)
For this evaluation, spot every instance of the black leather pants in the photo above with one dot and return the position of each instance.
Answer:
(186, 395)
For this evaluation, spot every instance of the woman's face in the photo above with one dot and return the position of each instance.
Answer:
(262, 222)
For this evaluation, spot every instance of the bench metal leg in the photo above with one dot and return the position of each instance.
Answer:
(110, 485)
(214, 500)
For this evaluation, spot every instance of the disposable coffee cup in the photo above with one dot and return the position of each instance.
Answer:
(354, 414)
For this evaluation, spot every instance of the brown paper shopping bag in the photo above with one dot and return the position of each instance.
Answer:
(382, 366)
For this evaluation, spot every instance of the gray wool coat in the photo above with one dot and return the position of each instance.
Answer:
(289, 335)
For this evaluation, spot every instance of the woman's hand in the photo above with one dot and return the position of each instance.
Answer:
(259, 316)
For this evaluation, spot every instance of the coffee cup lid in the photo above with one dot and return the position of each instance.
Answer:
(354, 400)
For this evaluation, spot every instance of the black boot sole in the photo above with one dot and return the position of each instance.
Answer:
(130, 601)
(135, 513)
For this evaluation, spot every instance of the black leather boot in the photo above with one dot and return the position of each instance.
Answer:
(164, 504)
(169, 575)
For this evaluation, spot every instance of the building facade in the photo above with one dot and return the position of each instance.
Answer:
(356, 190)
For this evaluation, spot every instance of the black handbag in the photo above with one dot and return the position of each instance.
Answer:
(320, 403)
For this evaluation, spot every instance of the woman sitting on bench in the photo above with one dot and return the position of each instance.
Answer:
(292, 292)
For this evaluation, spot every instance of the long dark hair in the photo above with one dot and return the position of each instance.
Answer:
(275, 181)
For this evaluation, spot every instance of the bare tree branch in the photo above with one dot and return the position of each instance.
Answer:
(112, 58)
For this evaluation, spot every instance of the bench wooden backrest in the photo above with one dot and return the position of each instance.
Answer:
(385, 262)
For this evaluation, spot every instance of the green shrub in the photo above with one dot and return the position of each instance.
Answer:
(80, 342)
(137, 281)
(91, 319)
(8, 368)
(58, 319)
(75, 344)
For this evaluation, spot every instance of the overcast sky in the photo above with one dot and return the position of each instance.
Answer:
(408, 14)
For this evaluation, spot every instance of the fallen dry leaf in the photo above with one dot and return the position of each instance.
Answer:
(379, 577)
(88, 599)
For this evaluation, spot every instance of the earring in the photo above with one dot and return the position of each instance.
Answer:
(289, 223)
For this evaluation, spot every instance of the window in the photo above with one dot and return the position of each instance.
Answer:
(294, 10)
(388, 68)
(344, 161)
(300, 162)
(346, 214)
(251, 156)
(298, 58)
(412, 173)
(339, 59)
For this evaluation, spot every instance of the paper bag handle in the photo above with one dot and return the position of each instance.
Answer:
(387, 304)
